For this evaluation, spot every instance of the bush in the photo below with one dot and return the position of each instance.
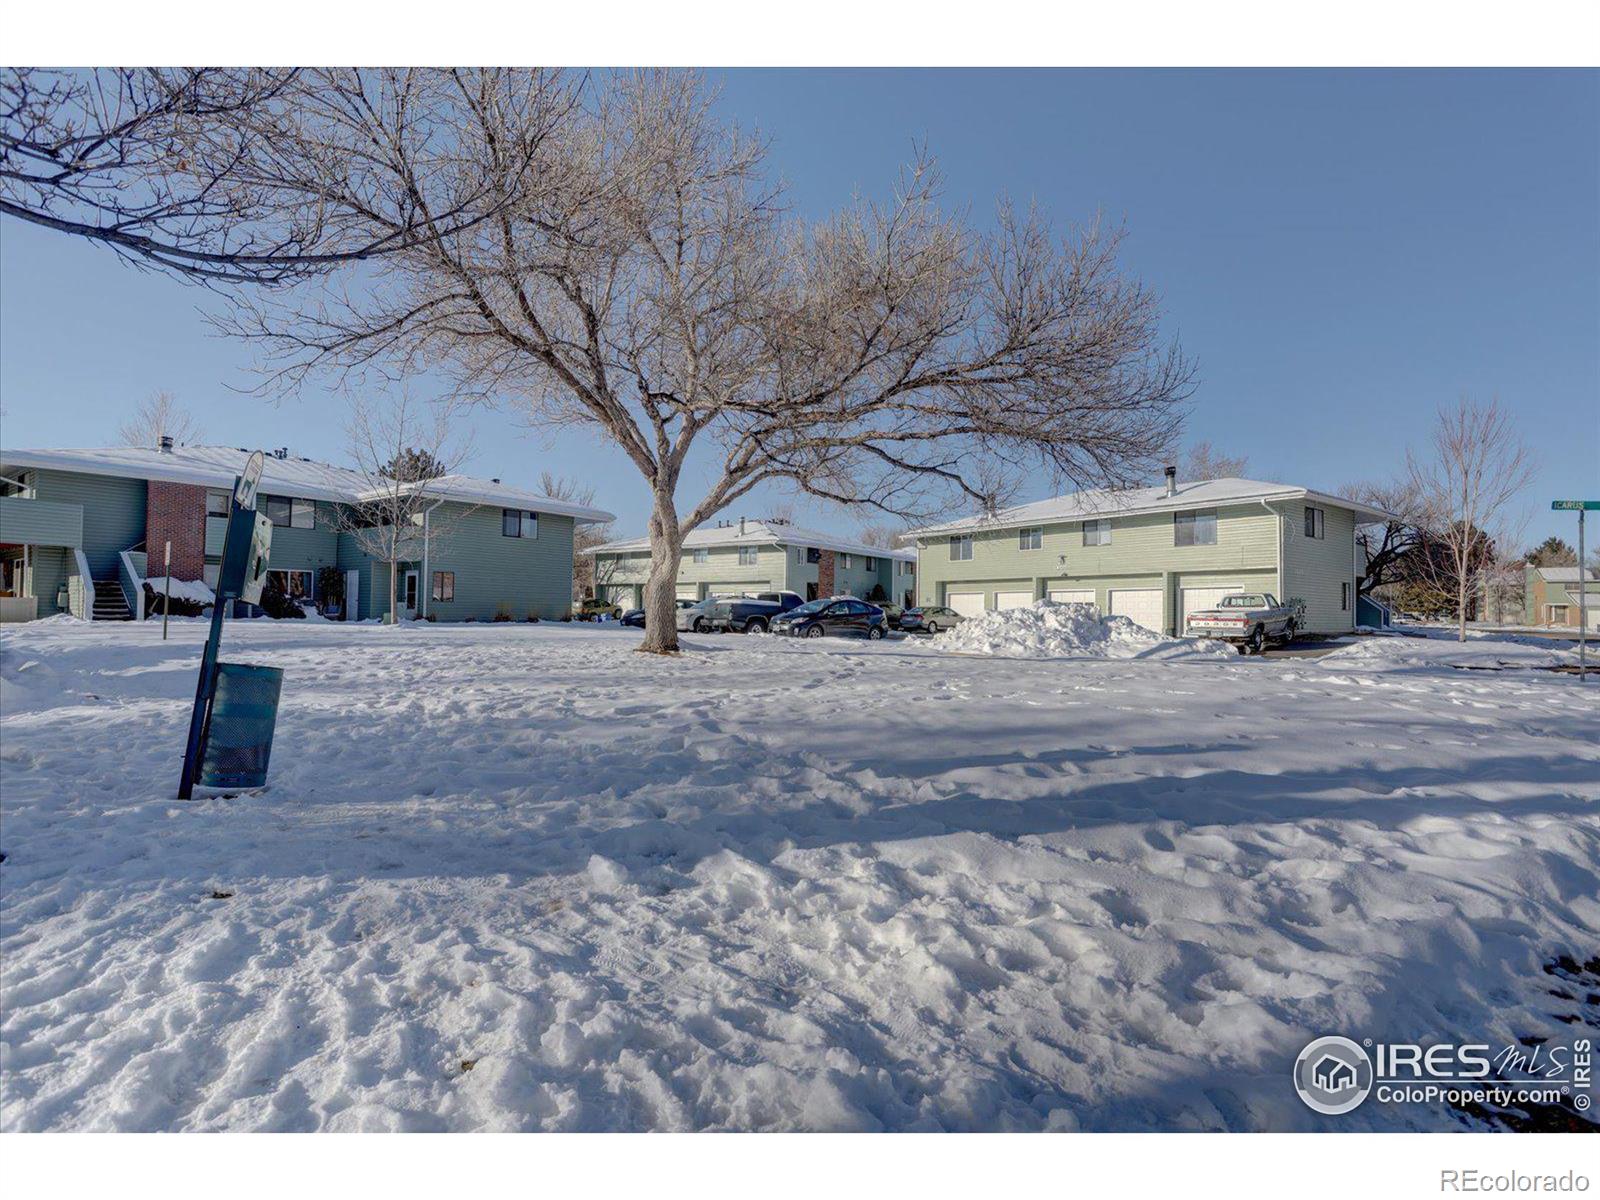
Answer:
(502, 613)
(276, 603)
(154, 600)
(532, 618)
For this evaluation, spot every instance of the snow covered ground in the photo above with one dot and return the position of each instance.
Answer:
(521, 877)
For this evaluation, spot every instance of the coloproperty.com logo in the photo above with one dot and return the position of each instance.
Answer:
(1335, 1075)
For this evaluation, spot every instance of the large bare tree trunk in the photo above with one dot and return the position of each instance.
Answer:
(661, 588)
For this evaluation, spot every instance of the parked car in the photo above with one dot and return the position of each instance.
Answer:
(891, 612)
(634, 617)
(695, 617)
(841, 614)
(594, 608)
(752, 614)
(929, 618)
(1250, 620)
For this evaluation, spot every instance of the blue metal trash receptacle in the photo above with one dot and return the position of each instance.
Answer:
(239, 735)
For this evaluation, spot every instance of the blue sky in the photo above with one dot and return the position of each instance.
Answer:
(1340, 251)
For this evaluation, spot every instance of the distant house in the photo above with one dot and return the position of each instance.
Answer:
(81, 529)
(1550, 595)
(1154, 554)
(742, 556)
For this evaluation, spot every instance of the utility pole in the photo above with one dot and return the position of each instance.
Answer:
(1581, 507)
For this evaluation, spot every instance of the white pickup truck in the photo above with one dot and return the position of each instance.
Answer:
(1250, 620)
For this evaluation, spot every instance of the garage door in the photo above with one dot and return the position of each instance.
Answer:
(1005, 600)
(1140, 605)
(968, 604)
(1073, 596)
(688, 591)
(1196, 599)
(743, 588)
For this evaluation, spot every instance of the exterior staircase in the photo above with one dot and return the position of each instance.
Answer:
(109, 602)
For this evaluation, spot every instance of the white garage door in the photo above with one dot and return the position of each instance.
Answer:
(1196, 599)
(688, 591)
(1140, 605)
(968, 604)
(1073, 596)
(1005, 600)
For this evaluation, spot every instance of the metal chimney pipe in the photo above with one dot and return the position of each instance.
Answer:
(1172, 481)
(741, 526)
(166, 443)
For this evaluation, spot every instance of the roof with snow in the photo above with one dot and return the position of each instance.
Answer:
(1565, 574)
(284, 474)
(1120, 502)
(762, 533)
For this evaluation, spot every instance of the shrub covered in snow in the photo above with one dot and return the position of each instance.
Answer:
(1051, 630)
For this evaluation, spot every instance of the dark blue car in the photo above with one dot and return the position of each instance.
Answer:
(841, 614)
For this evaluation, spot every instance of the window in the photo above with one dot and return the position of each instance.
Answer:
(813, 555)
(217, 503)
(444, 585)
(908, 568)
(800, 555)
(870, 563)
(1313, 522)
(1344, 591)
(1030, 539)
(702, 555)
(1556, 614)
(294, 584)
(1097, 533)
(844, 561)
(961, 548)
(749, 556)
(514, 522)
(284, 512)
(1194, 528)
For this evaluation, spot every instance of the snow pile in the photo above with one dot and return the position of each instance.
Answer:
(1487, 652)
(1051, 630)
(192, 590)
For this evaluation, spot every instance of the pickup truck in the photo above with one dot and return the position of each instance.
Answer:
(1250, 620)
(751, 614)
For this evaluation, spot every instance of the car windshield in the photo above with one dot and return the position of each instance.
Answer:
(1242, 601)
(810, 607)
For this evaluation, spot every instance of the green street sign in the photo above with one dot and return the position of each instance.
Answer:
(1575, 505)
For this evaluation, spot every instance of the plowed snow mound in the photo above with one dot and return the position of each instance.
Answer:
(1051, 630)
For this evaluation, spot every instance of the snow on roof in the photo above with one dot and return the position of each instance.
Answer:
(763, 533)
(1564, 574)
(1113, 502)
(218, 466)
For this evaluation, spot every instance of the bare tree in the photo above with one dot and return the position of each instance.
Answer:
(1205, 461)
(586, 575)
(223, 175)
(1385, 548)
(160, 415)
(643, 281)
(395, 519)
(887, 534)
(1464, 487)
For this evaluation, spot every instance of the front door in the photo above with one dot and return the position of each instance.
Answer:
(408, 596)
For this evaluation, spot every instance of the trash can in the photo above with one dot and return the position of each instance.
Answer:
(239, 738)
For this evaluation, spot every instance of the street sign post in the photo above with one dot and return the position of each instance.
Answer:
(246, 544)
(1581, 507)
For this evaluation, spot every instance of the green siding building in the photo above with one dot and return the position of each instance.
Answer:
(1153, 554)
(739, 557)
(80, 531)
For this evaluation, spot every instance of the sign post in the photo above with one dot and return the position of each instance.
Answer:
(166, 605)
(1582, 507)
(245, 545)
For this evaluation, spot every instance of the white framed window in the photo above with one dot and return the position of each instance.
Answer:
(800, 556)
(1314, 519)
(1198, 528)
(1555, 614)
(217, 503)
(749, 556)
(1031, 538)
(444, 586)
(844, 562)
(294, 584)
(961, 547)
(870, 563)
(702, 555)
(1097, 533)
